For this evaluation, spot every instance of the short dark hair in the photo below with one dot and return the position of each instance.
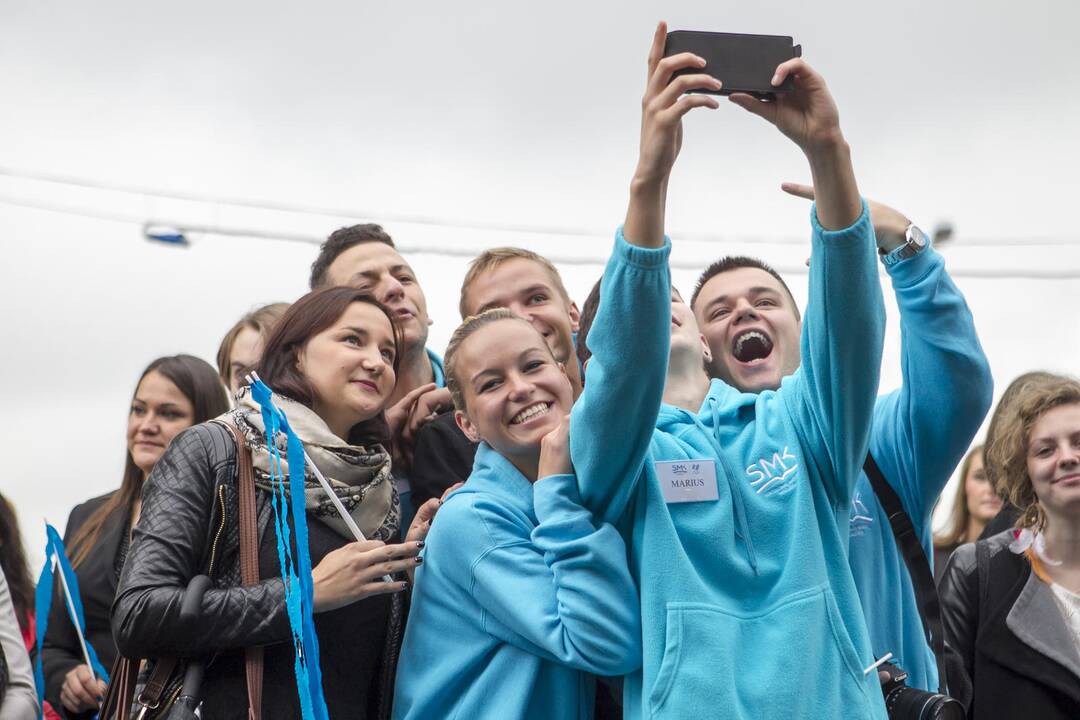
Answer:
(734, 262)
(306, 318)
(588, 314)
(341, 240)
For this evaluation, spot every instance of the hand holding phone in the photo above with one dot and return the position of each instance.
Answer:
(743, 63)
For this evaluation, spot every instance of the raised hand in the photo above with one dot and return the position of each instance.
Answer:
(662, 108)
(807, 114)
(890, 224)
(555, 451)
(664, 104)
(408, 415)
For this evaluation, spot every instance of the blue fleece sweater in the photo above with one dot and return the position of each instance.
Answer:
(748, 606)
(520, 597)
(919, 433)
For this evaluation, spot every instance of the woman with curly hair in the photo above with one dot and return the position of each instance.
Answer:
(1011, 602)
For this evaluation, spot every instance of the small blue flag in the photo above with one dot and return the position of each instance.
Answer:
(43, 597)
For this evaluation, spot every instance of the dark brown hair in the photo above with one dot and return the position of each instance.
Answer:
(588, 314)
(735, 262)
(13, 563)
(200, 384)
(261, 320)
(341, 240)
(310, 315)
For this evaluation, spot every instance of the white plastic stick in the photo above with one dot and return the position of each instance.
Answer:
(884, 659)
(334, 499)
(74, 618)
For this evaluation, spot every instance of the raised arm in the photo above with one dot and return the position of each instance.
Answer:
(170, 546)
(832, 396)
(921, 431)
(614, 418)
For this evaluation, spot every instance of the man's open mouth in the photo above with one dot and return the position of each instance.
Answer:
(751, 346)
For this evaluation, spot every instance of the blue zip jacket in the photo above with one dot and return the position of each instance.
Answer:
(748, 606)
(919, 434)
(520, 597)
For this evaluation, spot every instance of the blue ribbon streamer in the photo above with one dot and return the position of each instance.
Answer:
(43, 598)
(295, 567)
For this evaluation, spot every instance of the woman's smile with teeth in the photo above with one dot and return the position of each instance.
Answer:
(534, 410)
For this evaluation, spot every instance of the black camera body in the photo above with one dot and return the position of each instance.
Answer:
(908, 703)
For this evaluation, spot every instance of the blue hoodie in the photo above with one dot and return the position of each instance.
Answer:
(748, 606)
(520, 597)
(919, 433)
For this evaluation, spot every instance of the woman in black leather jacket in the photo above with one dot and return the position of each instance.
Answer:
(1011, 602)
(173, 393)
(331, 362)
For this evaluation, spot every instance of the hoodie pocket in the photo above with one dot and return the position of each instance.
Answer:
(794, 659)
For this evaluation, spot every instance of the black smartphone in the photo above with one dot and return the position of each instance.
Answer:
(743, 63)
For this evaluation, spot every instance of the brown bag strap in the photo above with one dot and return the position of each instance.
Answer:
(121, 690)
(249, 564)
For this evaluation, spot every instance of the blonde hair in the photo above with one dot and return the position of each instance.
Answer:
(464, 330)
(1007, 450)
(261, 320)
(491, 259)
(956, 529)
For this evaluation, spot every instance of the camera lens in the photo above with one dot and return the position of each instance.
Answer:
(906, 703)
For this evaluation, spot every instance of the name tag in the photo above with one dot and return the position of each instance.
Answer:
(688, 480)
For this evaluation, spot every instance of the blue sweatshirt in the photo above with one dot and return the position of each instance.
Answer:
(520, 597)
(748, 607)
(919, 433)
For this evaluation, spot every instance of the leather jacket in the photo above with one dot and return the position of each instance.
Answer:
(190, 525)
(1007, 628)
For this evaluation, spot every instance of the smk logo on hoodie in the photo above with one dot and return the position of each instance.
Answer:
(775, 474)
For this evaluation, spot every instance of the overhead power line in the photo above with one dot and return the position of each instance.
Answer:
(556, 256)
(415, 219)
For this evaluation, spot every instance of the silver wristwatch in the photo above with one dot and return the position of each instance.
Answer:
(915, 241)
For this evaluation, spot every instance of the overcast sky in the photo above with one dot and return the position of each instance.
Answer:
(459, 125)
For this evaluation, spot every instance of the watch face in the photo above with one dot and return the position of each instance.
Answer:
(916, 236)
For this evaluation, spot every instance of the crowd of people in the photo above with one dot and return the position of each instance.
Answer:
(654, 505)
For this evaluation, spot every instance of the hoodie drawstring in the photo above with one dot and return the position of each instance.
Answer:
(742, 526)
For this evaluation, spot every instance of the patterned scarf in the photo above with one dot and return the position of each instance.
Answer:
(360, 477)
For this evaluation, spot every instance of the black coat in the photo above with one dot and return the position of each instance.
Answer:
(1007, 627)
(442, 456)
(189, 525)
(97, 588)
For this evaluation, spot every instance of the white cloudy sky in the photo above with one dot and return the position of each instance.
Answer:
(463, 125)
